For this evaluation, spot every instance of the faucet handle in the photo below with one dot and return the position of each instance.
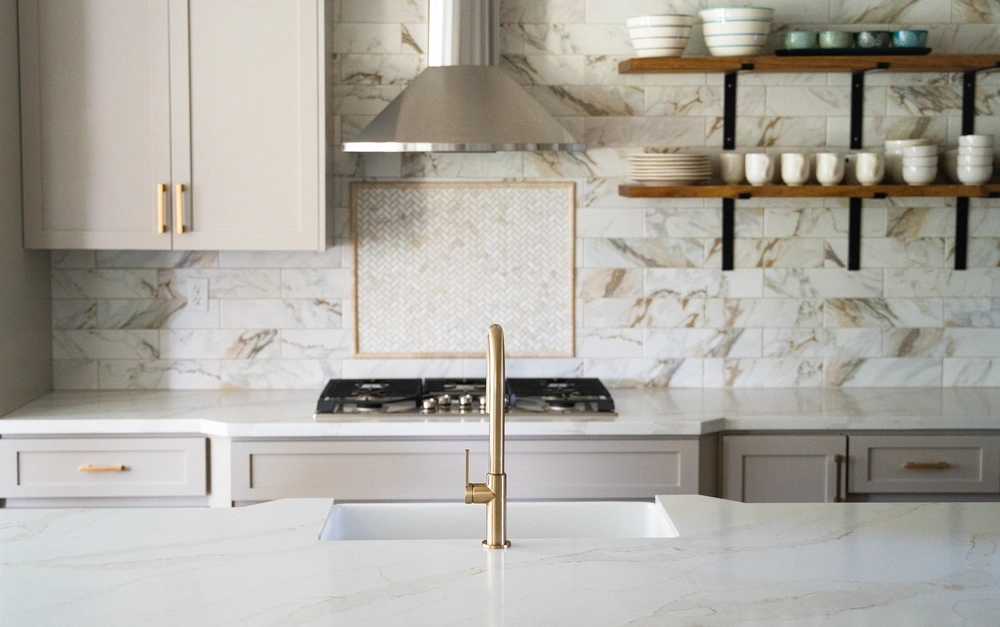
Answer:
(468, 486)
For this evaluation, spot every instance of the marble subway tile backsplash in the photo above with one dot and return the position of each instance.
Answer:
(652, 306)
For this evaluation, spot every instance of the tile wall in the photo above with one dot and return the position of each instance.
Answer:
(653, 307)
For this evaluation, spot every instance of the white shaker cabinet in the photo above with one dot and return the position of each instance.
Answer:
(183, 124)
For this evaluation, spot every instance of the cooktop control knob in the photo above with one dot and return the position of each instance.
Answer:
(465, 400)
(430, 404)
(444, 400)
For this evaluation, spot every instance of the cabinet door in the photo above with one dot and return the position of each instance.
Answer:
(246, 87)
(925, 464)
(95, 116)
(784, 468)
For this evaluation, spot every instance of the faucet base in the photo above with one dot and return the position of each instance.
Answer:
(498, 546)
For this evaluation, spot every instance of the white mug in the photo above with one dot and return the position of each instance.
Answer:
(829, 168)
(732, 167)
(869, 168)
(759, 168)
(794, 168)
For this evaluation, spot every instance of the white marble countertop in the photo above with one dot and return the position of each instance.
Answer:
(641, 412)
(733, 564)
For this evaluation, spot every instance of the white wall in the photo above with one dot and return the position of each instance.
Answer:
(25, 305)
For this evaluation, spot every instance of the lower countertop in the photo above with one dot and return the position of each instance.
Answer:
(733, 563)
(641, 412)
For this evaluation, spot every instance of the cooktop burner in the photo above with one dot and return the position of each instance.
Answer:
(461, 397)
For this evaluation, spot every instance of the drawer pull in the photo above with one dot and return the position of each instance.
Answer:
(926, 465)
(90, 468)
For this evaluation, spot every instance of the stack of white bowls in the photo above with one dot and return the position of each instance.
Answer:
(659, 35)
(975, 159)
(736, 32)
(669, 168)
(920, 164)
(894, 156)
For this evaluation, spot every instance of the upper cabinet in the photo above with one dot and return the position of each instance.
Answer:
(183, 124)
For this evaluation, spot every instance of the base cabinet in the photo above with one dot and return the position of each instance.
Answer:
(434, 470)
(784, 468)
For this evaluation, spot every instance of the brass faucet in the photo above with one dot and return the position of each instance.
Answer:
(494, 491)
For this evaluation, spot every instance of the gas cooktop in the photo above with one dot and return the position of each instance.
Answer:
(462, 397)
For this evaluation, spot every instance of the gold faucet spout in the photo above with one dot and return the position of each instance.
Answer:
(494, 492)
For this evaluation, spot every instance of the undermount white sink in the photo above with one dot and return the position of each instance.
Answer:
(458, 521)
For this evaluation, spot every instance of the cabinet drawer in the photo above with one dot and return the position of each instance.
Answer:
(924, 463)
(419, 470)
(102, 467)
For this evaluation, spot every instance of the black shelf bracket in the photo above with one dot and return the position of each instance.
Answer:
(857, 108)
(854, 236)
(728, 237)
(962, 204)
(729, 143)
(729, 113)
(961, 233)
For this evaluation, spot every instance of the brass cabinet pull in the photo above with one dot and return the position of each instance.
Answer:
(161, 208)
(835, 481)
(179, 198)
(926, 465)
(90, 468)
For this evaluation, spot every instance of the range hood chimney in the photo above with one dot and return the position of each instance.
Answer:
(463, 101)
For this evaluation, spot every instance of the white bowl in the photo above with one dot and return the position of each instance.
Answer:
(974, 160)
(974, 175)
(735, 40)
(977, 151)
(926, 150)
(919, 175)
(659, 20)
(735, 51)
(659, 52)
(899, 144)
(651, 32)
(975, 140)
(736, 28)
(733, 13)
(659, 42)
(921, 161)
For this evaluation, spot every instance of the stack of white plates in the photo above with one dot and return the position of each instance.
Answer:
(659, 35)
(670, 168)
(738, 31)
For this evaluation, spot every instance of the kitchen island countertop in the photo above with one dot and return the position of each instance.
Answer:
(641, 412)
(732, 564)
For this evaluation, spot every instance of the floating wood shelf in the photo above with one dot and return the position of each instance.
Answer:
(927, 63)
(807, 191)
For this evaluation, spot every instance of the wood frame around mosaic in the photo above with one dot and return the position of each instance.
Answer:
(567, 309)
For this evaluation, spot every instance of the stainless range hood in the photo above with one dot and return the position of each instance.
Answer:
(463, 102)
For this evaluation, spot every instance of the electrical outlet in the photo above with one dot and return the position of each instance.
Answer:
(198, 295)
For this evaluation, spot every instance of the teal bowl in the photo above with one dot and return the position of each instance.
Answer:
(836, 39)
(800, 40)
(909, 39)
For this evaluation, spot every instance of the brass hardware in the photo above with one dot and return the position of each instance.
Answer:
(161, 210)
(494, 492)
(89, 468)
(179, 199)
(835, 479)
(926, 465)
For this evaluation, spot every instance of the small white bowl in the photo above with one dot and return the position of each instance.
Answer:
(736, 28)
(919, 175)
(975, 140)
(659, 52)
(736, 13)
(921, 161)
(974, 160)
(650, 32)
(974, 175)
(735, 40)
(977, 151)
(659, 42)
(735, 51)
(659, 20)
(900, 144)
(927, 150)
